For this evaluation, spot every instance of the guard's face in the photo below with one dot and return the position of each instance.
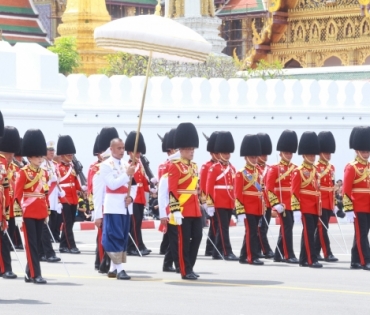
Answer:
(326, 156)
(118, 149)
(287, 156)
(310, 158)
(35, 160)
(67, 158)
(50, 154)
(187, 153)
(262, 158)
(363, 154)
(252, 160)
(8, 156)
(225, 157)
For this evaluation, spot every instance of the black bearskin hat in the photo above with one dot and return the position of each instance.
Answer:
(211, 142)
(352, 135)
(65, 145)
(361, 139)
(33, 143)
(309, 144)
(96, 150)
(107, 134)
(19, 152)
(164, 142)
(266, 144)
(326, 142)
(186, 136)
(10, 142)
(130, 143)
(170, 141)
(288, 142)
(224, 142)
(251, 146)
(1, 124)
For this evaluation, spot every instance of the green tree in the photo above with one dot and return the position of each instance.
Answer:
(66, 49)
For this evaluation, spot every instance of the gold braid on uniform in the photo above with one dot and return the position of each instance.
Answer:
(174, 204)
(239, 207)
(273, 199)
(347, 203)
(295, 204)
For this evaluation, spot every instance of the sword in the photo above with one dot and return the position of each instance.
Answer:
(277, 247)
(61, 257)
(331, 235)
(340, 228)
(281, 194)
(215, 247)
(16, 254)
(137, 248)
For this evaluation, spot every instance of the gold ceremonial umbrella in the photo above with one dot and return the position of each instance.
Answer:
(156, 37)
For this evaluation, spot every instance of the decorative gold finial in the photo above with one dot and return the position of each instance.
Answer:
(158, 8)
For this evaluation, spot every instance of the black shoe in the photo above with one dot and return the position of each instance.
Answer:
(145, 252)
(195, 274)
(9, 275)
(217, 257)
(177, 270)
(133, 253)
(53, 259)
(305, 264)
(27, 280)
(64, 250)
(96, 267)
(257, 262)
(319, 258)
(331, 258)
(149, 250)
(366, 267)
(279, 259)
(208, 253)
(292, 260)
(189, 276)
(269, 255)
(315, 265)
(356, 266)
(39, 280)
(168, 269)
(162, 253)
(43, 258)
(261, 256)
(112, 274)
(231, 257)
(123, 275)
(74, 250)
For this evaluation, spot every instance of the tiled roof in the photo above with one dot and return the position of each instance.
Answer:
(138, 2)
(236, 7)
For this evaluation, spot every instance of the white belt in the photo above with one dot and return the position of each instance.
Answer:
(67, 185)
(224, 187)
(138, 185)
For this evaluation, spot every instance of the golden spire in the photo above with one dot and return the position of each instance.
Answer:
(158, 8)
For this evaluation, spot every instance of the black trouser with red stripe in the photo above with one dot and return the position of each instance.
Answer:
(189, 239)
(172, 232)
(32, 236)
(135, 228)
(211, 235)
(249, 249)
(99, 252)
(46, 248)
(14, 233)
(165, 244)
(321, 234)
(285, 240)
(360, 249)
(67, 239)
(168, 256)
(263, 227)
(53, 221)
(222, 238)
(5, 258)
(308, 253)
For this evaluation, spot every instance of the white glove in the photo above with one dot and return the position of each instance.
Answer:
(336, 209)
(241, 217)
(154, 181)
(211, 211)
(54, 178)
(62, 193)
(177, 216)
(153, 190)
(84, 187)
(297, 217)
(130, 208)
(92, 216)
(59, 208)
(279, 208)
(46, 221)
(350, 215)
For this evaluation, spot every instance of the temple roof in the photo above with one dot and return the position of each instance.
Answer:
(19, 22)
(133, 2)
(237, 7)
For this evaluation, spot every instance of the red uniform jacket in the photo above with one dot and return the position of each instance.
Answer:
(220, 186)
(142, 184)
(31, 192)
(248, 191)
(203, 180)
(93, 169)
(326, 173)
(182, 187)
(263, 169)
(279, 176)
(162, 169)
(356, 186)
(305, 190)
(69, 183)
(4, 187)
(13, 173)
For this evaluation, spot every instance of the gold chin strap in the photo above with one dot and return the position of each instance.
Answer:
(223, 160)
(359, 154)
(249, 161)
(307, 160)
(284, 157)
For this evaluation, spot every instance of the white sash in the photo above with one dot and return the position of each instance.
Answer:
(223, 173)
(67, 174)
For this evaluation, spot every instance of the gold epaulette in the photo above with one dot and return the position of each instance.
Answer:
(24, 167)
(176, 161)
(354, 162)
(300, 167)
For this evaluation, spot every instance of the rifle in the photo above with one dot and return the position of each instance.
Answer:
(78, 168)
(145, 162)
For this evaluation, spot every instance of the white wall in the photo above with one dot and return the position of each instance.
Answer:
(81, 106)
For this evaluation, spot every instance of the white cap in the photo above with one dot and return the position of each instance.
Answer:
(50, 145)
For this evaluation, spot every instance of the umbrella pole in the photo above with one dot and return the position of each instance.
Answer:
(140, 118)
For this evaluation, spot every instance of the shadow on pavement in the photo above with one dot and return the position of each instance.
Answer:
(140, 272)
(22, 301)
(64, 284)
(225, 283)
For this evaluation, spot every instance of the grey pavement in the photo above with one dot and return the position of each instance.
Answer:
(223, 288)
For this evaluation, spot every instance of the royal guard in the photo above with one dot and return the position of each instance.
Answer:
(97, 186)
(278, 187)
(263, 226)
(220, 194)
(9, 144)
(249, 202)
(184, 202)
(203, 192)
(356, 201)
(140, 186)
(70, 185)
(326, 173)
(31, 194)
(92, 171)
(306, 197)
